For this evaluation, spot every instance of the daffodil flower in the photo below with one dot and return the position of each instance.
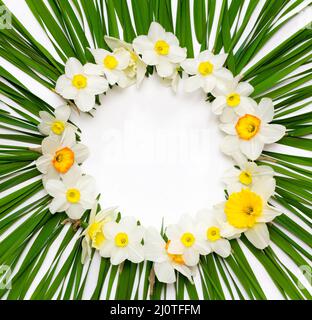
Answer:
(251, 131)
(247, 175)
(81, 84)
(136, 69)
(232, 99)
(211, 234)
(165, 264)
(183, 240)
(74, 194)
(123, 241)
(112, 64)
(55, 125)
(161, 49)
(206, 72)
(60, 154)
(93, 234)
(248, 211)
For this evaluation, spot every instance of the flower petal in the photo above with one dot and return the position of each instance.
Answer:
(165, 272)
(73, 67)
(142, 44)
(192, 83)
(63, 113)
(222, 247)
(266, 110)
(85, 101)
(190, 66)
(258, 235)
(75, 211)
(164, 69)
(251, 148)
(245, 89)
(218, 104)
(270, 133)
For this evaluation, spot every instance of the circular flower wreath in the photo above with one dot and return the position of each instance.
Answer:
(247, 127)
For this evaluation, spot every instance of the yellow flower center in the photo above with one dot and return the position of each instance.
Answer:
(176, 258)
(73, 195)
(233, 100)
(247, 126)
(205, 68)
(162, 47)
(63, 160)
(245, 178)
(188, 239)
(121, 240)
(213, 234)
(110, 62)
(243, 208)
(95, 232)
(58, 127)
(80, 81)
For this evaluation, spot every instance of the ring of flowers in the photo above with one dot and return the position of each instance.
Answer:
(247, 127)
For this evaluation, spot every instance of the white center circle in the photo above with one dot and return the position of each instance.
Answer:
(155, 154)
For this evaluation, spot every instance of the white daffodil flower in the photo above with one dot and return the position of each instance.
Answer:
(113, 64)
(247, 175)
(93, 234)
(81, 84)
(173, 80)
(55, 125)
(183, 239)
(60, 154)
(123, 241)
(165, 264)
(248, 211)
(232, 99)
(252, 131)
(74, 194)
(206, 72)
(210, 234)
(136, 69)
(161, 49)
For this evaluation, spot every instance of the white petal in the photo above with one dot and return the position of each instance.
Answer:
(58, 205)
(258, 235)
(228, 128)
(43, 163)
(222, 247)
(73, 67)
(192, 83)
(176, 54)
(265, 187)
(218, 105)
(156, 31)
(55, 188)
(244, 89)
(86, 184)
(185, 270)
(118, 255)
(266, 110)
(123, 58)
(223, 74)
(135, 253)
(165, 272)
(190, 66)
(97, 85)
(44, 128)
(208, 83)
(191, 257)
(85, 102)
(112, 76)
(62, 113)
(46, 116)
(142, 44)
(65, 88)
(228, 115)
(219, 60)
(229, 145)
(106, 249)
(75, 211)
(268, 214)
(175, 247)
(92, 69)
(271, 133)
(115, 43)
(251, 148)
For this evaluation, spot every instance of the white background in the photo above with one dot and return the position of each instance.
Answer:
(155, 154)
